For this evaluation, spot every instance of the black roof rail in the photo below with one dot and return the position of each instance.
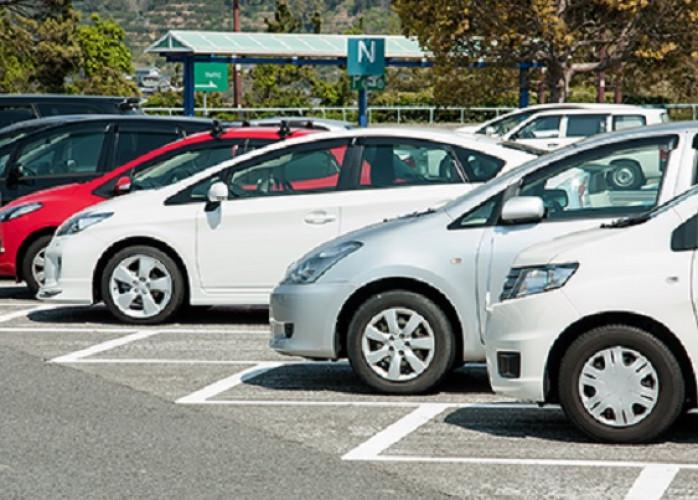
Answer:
(284, 129)
(216, 129)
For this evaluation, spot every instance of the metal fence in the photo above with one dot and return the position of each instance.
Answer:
(392, 114)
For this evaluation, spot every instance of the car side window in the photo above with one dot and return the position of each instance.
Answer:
(622, 122)
(15, 113)
(478, 167)
(544, 127)
(390, 164)
(64, 153)
(482, 215)
(616, 180)
(292, 172)
(131, 144)
(585, 125)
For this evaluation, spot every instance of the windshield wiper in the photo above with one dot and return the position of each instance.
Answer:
(627, 221)
(412, 215)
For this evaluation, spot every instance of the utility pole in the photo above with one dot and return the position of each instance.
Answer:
(237, 80)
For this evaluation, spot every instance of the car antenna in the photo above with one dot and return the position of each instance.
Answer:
(284, 129)
(216, 129)
(310, 124)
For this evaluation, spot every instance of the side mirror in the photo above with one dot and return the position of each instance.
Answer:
(522, 209)
(123, 185)
(217, 192)
(490, 130)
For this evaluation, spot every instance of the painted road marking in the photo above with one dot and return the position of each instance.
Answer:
(25, 312)
(104, 346)
(395, 432)
(652, 482)
(202, 395)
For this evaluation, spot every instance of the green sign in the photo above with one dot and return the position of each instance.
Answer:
(210, 77)
(366, 56)
(368, 82)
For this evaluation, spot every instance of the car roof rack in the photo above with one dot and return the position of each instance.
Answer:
(216, 129)
(284, 129)
(130, 103)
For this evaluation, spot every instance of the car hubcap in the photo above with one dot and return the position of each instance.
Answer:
(619, 387)
(140, 286)
(623, 177)
(38, 267)
(398, 344)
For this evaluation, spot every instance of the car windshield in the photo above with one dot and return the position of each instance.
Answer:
(181, 166)
(504, 124)
(11, 137)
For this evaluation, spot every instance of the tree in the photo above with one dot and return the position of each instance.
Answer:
(45, 48)
(568, 36)
(105, 60)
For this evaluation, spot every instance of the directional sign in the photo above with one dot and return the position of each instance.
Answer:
(211, 77)
(366, 56)
(368, 82)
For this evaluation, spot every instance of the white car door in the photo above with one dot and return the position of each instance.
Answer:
(577, 195)
(395, 176)
(280, 206)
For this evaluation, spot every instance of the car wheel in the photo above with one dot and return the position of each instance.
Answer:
(33, 263)
(626, 175)
(400, 342)
(620, 384)
(142, 285)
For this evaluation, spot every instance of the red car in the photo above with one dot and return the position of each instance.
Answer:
(27, 224)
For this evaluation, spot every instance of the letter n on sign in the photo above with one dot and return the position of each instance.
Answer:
(366, 57)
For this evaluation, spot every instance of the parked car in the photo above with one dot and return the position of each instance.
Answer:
(604, 323)
(406, 300)
(554, 129)
(49, 152)
(28, 223)
(226, 235)
(501, 125)
(20, 107)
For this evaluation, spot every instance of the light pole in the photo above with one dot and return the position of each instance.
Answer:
(237, 80)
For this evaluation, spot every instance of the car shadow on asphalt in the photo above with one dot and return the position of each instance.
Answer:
(191, 316)
(330, 378)
(17, 292)
(548, 424)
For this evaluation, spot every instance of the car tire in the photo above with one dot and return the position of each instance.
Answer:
(142, 285)
(414, 362)
(627, 175)
(33, 263)
(638, 417)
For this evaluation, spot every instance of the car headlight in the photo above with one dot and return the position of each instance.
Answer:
(311, 268)
(10, 213)
(81, 222)
(524, 281)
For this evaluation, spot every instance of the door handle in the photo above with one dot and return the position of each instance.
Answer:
(320, 217)
(553, 144)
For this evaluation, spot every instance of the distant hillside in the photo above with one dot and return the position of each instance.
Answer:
(146, 20)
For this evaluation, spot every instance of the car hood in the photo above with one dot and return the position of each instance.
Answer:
(47, 195)
(560, 248)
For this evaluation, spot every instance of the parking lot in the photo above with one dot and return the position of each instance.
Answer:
(462, 441)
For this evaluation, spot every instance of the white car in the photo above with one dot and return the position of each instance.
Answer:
(550, 130)
(227, 234)
(406, 300)
(502, 125)
(604, 322)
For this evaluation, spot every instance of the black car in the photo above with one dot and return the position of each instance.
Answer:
(48, 152)
(16, 108)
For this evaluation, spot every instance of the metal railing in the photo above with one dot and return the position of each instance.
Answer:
(392, 114)
(382, 114)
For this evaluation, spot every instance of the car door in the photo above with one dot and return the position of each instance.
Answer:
(59, 156)
(394, 176)
(542, 132)
(578, 194)
(280, 206)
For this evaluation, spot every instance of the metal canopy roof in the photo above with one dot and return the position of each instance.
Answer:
(276, 45)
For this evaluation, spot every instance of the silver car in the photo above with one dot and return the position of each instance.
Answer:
(407, 300)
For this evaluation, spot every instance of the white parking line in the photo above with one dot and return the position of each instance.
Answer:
(202, 395)
(652, 482)
(395, 432)
(25, 312)
(104, 346)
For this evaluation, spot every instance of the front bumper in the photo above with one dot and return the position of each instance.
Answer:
(304, 318)
(68, 281)
(523, 331)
